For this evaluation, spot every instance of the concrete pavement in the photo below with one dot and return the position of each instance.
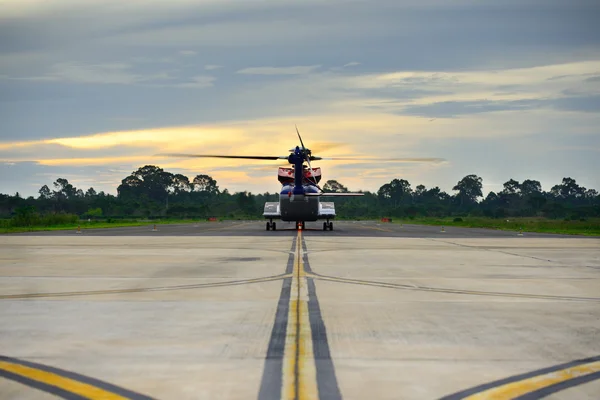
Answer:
(230, 311)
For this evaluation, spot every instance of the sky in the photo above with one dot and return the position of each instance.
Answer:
(91, 90)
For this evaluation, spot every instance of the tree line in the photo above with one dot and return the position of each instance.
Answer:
(151, 192)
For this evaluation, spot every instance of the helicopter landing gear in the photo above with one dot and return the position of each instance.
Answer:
(271, 225)
(327, 225)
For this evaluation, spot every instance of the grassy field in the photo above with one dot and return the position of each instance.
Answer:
(590, 227)
(84, 224)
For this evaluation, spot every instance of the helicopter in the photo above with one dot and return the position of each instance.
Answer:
(299, 198)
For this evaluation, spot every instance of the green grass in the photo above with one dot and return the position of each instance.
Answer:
(84, 224)
(590, 227)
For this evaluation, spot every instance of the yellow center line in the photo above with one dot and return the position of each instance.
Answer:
(49, 378)
(299, 370)
(515, 389)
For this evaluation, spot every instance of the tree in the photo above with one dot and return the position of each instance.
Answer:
(181, 184)
(246, 202)
(205, 183)
(333, 186)
(130, 186)
(149, 180)
(568, 189)
(529, 187)
(45, 192)
(469, 189)
(396, 190)
(91, 193)
(64, 189)
(512, 187)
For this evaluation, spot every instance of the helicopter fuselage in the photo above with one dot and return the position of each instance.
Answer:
(294, 206)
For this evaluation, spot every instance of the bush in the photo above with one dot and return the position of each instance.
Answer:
(458, 219)
(93, 213)
(32, 218)
(59, 219)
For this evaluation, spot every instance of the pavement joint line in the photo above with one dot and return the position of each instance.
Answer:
(535, 384)
(450, 291)
(493, 250)
(61, 383)
(143, 290)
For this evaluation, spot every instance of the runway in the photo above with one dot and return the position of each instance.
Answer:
(228, 310)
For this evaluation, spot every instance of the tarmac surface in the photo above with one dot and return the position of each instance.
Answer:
(228, 310)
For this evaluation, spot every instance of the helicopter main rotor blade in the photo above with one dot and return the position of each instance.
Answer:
(224, 156)
(308, 158)
(333, 194)
(300, 137)
(408, 159)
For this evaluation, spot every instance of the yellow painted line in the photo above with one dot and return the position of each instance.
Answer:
(519, 388)
(70, 385)
(299, 369)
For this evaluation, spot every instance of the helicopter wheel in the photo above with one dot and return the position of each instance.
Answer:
(331, 226)
(324, 226)
(274, 226)
(268, 226)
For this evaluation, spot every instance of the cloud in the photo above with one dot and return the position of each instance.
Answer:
(363, 134)
(115, 74)
(107, 73)
(200, 81)
(587, 104)
(297, 70)
(455, 108)
(98, 81)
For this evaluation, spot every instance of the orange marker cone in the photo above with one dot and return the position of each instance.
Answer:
(78, 229)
